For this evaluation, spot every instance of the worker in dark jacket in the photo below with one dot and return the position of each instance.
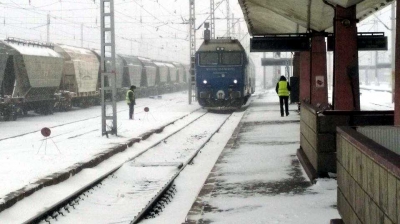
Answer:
(283, 91)
(130, 100)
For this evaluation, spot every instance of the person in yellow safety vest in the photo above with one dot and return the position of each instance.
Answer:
(283, 91)
(131, 101)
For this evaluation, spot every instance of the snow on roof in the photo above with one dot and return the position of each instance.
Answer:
(147, 62)
(76, 49)
(170, 65)
(159, 64)
(144, 59)
(34, 50)
(134, 64)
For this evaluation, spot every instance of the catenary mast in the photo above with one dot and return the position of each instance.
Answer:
(109, 73)
(192, 31)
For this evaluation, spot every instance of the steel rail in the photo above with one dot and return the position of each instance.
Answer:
(68, 123)
(42, 215)
(169, 183)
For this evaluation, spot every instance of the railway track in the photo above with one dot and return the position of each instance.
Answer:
(126, 193)
(139, 108)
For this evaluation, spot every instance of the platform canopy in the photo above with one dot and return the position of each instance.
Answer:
(296, 16)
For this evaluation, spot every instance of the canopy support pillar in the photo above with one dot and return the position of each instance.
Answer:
(346, 89)
(304, 67)
(397, 70)
(318, 82)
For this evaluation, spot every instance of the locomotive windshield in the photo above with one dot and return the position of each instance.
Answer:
(208, 58)
(231, 58)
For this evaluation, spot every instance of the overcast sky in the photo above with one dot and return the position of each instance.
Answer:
(149, 28)
(154, 27)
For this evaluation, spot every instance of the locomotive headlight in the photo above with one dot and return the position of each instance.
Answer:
(205, 81)
(235, 81)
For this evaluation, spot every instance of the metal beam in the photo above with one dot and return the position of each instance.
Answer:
(192, 32)
(228, 19)
(212, 19)
(366, 41)
(280, 43)
(276, 61)
(379, 66)
(108, 71)
(397, 70)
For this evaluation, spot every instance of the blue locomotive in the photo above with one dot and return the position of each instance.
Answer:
(225, 75)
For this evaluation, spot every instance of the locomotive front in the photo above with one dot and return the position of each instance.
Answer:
(220, 74)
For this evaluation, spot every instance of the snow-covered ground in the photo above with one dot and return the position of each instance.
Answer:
(376, 100)
(30, 157)
(373, 99)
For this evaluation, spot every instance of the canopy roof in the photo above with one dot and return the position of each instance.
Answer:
(295, 16)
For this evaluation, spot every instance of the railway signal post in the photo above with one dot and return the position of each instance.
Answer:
(108, 73)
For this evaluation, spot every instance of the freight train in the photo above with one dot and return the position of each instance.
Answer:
(225, 75)
(47, 77)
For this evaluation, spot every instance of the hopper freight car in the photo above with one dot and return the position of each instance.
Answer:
(150, 71)
(79, 77)
(7, 110)
(43, 77)
(181, 75)
(224, 75)
(32, 76)
(172, 77)
(134, 75)
(119, 71)
(162, 77)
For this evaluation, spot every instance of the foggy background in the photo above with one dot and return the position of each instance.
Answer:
(159, 29)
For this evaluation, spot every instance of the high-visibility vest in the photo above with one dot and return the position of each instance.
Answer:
(128, 101)
(282, 89)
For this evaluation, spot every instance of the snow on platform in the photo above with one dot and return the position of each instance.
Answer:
(258, 179)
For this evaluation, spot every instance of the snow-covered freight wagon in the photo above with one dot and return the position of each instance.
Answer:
(172, 77)
(150, 71)
(134, 75)
(180, 75)
(79, 76)
(119, 73)
(162, 77)
(32, 75)
(42, 77)
(7, 105)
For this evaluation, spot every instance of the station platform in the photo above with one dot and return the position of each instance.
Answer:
(258, 177)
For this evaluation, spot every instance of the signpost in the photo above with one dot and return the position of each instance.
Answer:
(366, 41)
(280, 43)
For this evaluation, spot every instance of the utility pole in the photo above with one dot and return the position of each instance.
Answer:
(393, 50)
(264, 72)
(81, 34)
(109, 73)
(212, 19)
(131, 46)
(228, 22)
(233, 26)
(192, 32)
(376, 56)
(239, 31)
(48, 28)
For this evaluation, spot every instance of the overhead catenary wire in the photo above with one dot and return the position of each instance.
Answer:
(164, 26)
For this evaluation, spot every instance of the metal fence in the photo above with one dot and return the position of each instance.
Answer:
(387, 136)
